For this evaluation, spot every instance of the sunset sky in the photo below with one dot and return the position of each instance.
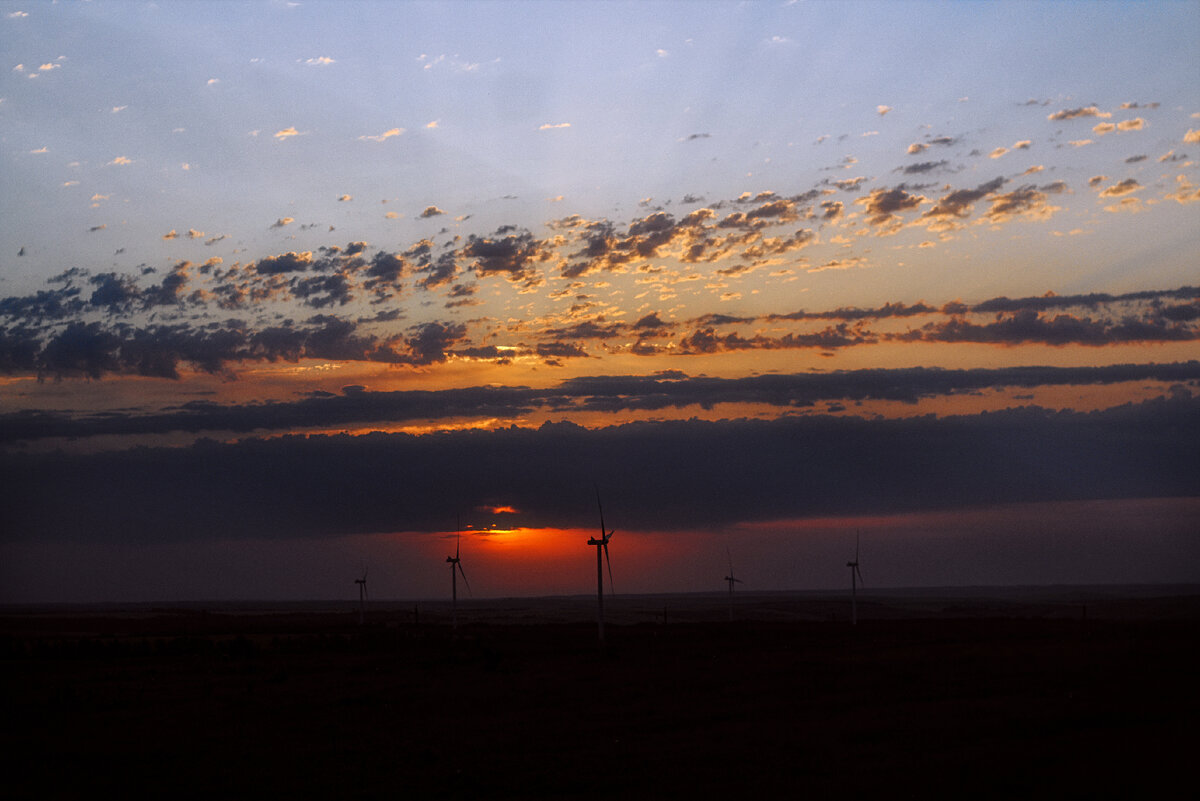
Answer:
(289, 288)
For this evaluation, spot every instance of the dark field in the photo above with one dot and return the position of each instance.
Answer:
(1049, 694)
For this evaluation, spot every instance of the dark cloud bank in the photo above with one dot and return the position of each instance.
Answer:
(613, 394)
(669, 475)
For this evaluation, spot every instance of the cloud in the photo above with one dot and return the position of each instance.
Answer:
(172, 234)
(286, 133)
(1077, 113)
(284, 263)
(1192, 137)
(917, 147)
(120, 161)
(1026, 201)
(1028, 326)
(513, 256)
(388, 134)
(922, 167)
(881, 110)
(884, 205)
(345, 198)
(958, 205)
(1186, 191)
(868, 466)
(1121, 188)
(850, 184)
(550, 126)
(319, 61)
(282, 221)
(431, 211)
(1135, 124)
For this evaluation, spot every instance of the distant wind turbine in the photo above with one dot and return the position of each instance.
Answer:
(601, 545)
(456, 563)
(362, 596)
(855, 577)
(731, 581)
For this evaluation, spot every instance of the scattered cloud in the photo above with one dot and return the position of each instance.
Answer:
(286, 133)
(430, 211)
(282, 221)
(550, 126)
(1077, 113)
(388, 134)
(319, 61)
(1121, 188)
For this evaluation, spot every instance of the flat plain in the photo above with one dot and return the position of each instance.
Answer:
(984, 693)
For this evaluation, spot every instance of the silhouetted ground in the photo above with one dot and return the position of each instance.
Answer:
(969, 697)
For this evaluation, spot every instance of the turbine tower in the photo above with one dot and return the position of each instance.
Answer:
(362, 596)
(601, 545)
(731, 581)
(855, 577)
(455, 562)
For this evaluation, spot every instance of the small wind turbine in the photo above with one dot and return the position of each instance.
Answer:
(456, 563)
(362, 596)
(855, 577)
(601, 545)
(731, 581)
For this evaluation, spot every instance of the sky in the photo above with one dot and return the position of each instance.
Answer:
(293, 290)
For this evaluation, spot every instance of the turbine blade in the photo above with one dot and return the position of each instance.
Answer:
(464, 575)
(601, 506)
(457, 539)
(730, 556)
(607, 562)
(859, 572)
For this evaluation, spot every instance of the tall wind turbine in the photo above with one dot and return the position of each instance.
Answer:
(456, 563)
(362, 596)
(601, 545)
(731, 581)
(855, 577)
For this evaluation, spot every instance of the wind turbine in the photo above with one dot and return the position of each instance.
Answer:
(362, 596)
(855, 577)
(456, 563)
(731, 581)
(601, 545)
